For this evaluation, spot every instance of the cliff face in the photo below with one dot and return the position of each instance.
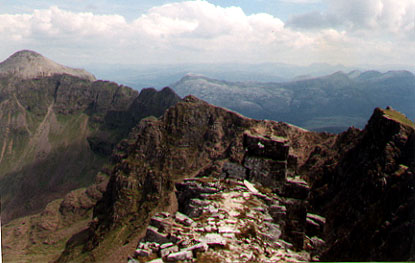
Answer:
(58, 131)
(371, 202)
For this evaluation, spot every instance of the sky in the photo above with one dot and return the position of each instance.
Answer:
(299, 32)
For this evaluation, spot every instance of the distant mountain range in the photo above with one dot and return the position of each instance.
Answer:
(143, 76)
(329, 103)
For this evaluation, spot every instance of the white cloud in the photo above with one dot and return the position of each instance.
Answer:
(197, 31)
(385, 16)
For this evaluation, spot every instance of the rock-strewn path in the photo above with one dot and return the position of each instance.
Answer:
(229, 221)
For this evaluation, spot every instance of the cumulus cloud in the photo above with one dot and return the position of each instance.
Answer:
(198, 31)
(355, 15)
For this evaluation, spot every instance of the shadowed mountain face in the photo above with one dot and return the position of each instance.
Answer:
(332, 103)
(370, 202)
(58, 130)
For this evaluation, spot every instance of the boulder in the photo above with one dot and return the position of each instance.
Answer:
(213, 240)
(295, 188)
(200, 247)
(166, 245)
(250, 187)
(168, 251)
(180, 256)
(159, 222)
(234, 171)
(227, 229)
(153, 235)
(142, 253)
(275, 148)
(184, 219)
(268, 172)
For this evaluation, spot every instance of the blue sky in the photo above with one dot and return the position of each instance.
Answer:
(132, 9)
(349, 32)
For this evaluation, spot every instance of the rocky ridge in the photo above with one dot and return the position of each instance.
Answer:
(224, 218)
(202, 160)
(192, 139)
(59, 130)
(374, 185)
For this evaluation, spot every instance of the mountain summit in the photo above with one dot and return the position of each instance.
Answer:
(29, 64)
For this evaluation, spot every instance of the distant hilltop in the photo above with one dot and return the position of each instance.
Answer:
(29, 64)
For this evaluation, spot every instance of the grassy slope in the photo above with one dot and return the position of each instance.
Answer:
(41, 237)
(46, 152)
(397, 116)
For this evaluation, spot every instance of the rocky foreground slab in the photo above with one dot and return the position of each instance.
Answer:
(233, 222)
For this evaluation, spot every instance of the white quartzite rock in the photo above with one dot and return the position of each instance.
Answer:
(201, 247)
(168, 251)
(154, 235)
(250, 187)
(214, 239)
(166, 245)
(180, 256)
(227, 229)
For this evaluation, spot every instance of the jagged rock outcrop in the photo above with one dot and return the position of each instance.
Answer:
(370, 205)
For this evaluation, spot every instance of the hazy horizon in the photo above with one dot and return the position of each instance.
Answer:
(295, 32)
